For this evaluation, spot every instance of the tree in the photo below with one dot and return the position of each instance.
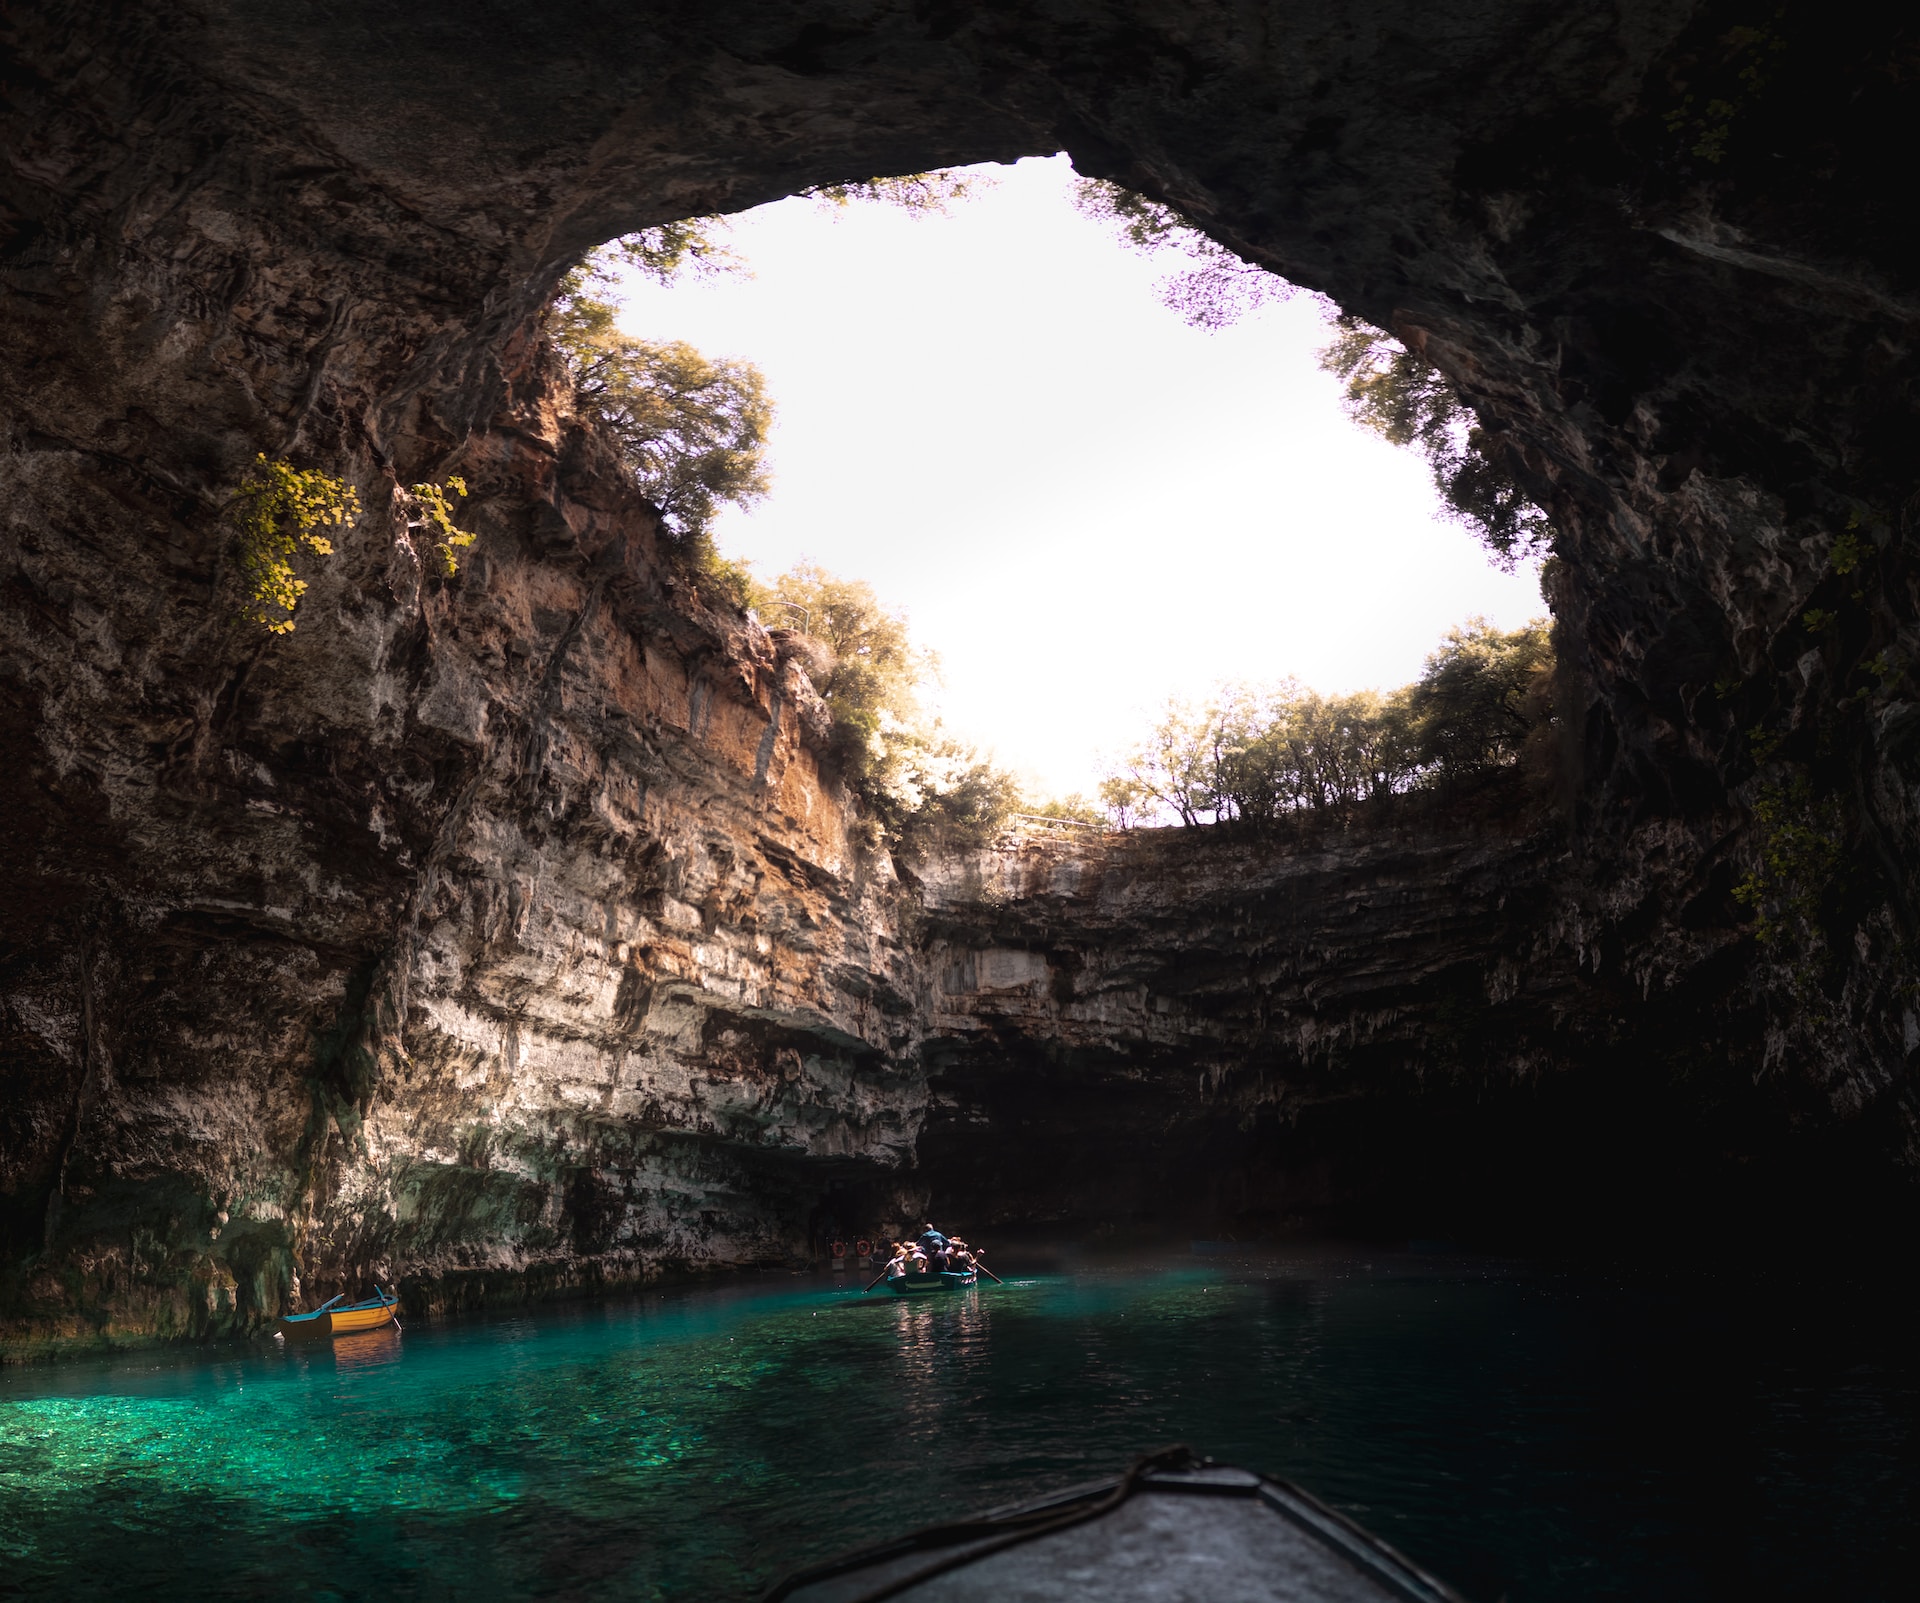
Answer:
(1175, 766)
(1220, 288)
(691, 247)
(691, 429)
(931, 194)
(872, 687)
(1481, 695)
(696, 246)
(925, 788)
(1073, 808)
(1409, 402)
(1386, 743)
(965, 800)
(276, 511)
(1124, 799)
(1290, 748)
(1253, 756)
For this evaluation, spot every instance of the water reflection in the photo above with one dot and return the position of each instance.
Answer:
(942, 1351)
(367, 1349)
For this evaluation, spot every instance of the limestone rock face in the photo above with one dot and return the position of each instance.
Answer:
(507, 926)
(1128, 1026)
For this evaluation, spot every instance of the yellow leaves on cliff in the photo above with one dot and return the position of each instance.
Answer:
(433, 513)
(278, 510)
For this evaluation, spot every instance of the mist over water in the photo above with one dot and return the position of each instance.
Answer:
(1526, 1433)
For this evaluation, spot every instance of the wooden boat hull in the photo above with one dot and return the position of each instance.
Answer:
(373, 1314)
(927, 1285)
(1188, 1530)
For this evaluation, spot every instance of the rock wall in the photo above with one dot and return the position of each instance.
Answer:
(1418, 1020)
(504, 926)
(1137, 1028)
(500, 925)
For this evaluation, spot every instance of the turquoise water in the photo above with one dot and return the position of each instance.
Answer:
(1529, 1435)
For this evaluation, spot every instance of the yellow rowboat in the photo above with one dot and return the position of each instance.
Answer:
(329, 1319)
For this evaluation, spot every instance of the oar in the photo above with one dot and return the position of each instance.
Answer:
(876, 1279)
(986, 1271)
(330, 1302)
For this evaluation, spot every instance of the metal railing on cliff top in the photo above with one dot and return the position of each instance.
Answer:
(1044, 823)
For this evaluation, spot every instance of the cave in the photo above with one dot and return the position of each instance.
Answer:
(507, 935)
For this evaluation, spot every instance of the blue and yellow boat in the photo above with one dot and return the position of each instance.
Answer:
(923, 1284)
(329, 1319)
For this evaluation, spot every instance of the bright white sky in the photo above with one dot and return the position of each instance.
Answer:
(1082, 504)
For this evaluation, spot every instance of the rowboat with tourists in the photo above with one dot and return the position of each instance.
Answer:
(921, 1285)
(933, 1263)
(331, 1319)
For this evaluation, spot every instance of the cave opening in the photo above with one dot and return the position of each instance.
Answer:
(1068, 463)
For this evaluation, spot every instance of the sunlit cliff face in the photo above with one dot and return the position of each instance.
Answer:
(507, 932)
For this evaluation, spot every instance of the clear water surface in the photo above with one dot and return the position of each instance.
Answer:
(1529, 1435)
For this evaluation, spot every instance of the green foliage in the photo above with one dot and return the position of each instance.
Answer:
(924, 788)
(1819, 619)
(1703, 122)
(931, 194)
(691, 429)
(664, 252)
(1174, 767)
(1255, 756)
(722, 580)
(1482, 695)
(1409, 402)
(1849, 550)
(1143, 225)
(1126, 800)
(1219, 288)
(432, 511)
(873, 685)
(965, 801)
(276, 510)
(1071, 809)
(1799, 837)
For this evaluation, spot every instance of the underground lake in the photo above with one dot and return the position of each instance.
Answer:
(1527, 1432)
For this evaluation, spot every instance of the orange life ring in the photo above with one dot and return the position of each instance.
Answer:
(864, 1248)
(838, 1249)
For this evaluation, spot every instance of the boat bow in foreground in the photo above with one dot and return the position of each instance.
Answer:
(1173, 1529)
